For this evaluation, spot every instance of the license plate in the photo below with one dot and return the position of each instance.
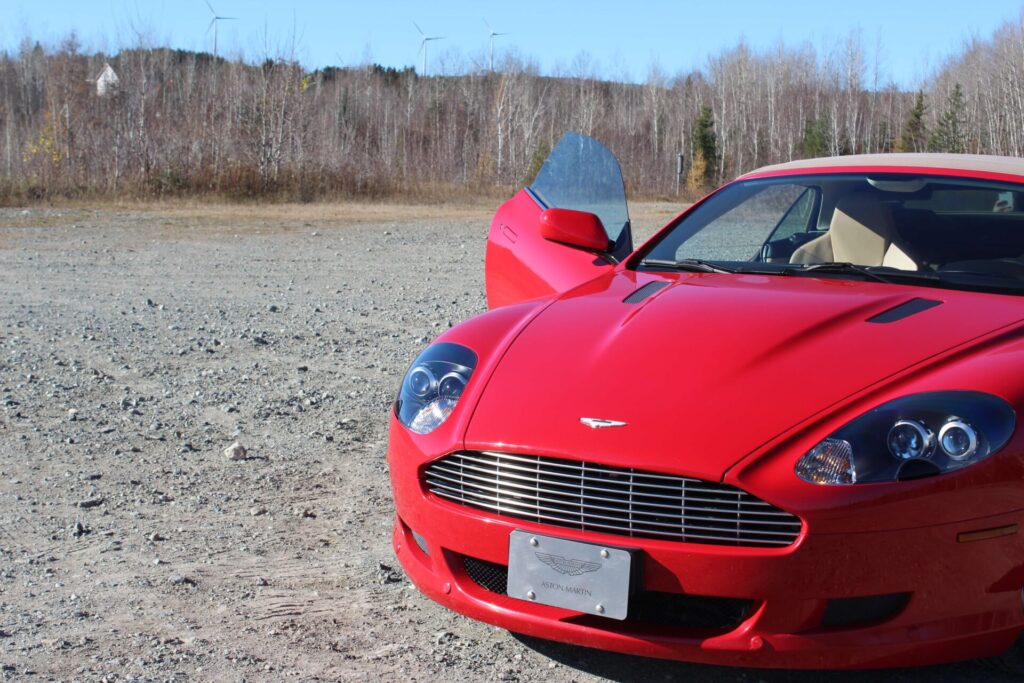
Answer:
(583, 577)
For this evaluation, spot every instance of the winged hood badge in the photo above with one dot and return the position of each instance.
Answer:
(567, 565)
(598, 423)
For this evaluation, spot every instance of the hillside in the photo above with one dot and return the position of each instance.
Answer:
(182, 123)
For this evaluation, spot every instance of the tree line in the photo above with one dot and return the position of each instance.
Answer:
(182, 123)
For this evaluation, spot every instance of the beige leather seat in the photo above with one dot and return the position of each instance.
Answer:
(861, 232)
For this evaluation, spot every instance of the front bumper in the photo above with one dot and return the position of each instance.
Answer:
(962, 600)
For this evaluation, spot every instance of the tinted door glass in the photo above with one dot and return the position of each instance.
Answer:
(582, 174)
(797, 218)
(738, 232)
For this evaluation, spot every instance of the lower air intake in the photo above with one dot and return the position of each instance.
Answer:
(673, 610)
(488, 575)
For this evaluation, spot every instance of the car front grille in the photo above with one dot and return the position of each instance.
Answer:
(612, 500)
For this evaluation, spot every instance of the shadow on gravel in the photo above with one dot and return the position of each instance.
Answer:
(630, 669)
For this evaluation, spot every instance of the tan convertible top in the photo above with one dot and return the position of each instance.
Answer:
(954, 162)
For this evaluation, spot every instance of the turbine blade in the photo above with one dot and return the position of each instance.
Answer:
(227, 18)
(488, 26)
(418, 28)
(210, 27)
(212, 11)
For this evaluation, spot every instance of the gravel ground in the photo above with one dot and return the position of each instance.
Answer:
(135, 346)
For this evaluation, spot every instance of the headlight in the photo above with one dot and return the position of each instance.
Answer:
(911, 437)
(433, 386)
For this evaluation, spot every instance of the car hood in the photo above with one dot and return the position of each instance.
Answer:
(711, 366)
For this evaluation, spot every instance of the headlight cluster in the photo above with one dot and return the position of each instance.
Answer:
(433, 386)
(911, 437)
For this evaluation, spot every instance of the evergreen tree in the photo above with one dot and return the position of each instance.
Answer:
(540, 155)
(706, 144)
(951, 133)
(915, 132)
(815, 140)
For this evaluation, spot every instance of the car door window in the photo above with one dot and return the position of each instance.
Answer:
(739, 233)
(582, 174)
(797, 218)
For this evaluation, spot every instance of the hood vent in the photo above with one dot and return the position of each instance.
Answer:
(647, 290)
(904, 310)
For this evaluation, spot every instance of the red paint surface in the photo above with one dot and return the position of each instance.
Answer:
(733, 378)
(531, 266)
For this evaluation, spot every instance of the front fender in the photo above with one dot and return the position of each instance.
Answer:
(488, 335)
(993, 486)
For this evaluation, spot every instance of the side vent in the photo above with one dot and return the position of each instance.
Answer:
(904, 310)
(642, 293)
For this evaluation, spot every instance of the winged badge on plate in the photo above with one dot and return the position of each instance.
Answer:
(567, 565)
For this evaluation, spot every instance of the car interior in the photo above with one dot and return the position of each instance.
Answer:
(910, 224)
(862, 231)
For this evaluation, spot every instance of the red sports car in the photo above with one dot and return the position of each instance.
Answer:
(781, 433)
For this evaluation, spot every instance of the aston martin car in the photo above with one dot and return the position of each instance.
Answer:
(781, 433)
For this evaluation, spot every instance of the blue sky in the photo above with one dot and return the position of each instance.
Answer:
(623, 39)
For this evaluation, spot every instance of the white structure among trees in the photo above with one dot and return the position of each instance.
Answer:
(107, 81)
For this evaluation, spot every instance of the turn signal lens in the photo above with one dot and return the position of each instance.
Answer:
(432, 415)
(829, 462)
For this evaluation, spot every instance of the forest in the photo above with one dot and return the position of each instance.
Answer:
(180, 123)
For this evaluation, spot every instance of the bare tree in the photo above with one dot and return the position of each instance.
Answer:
(185, 123)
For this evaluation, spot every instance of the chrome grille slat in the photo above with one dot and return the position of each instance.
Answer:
(635, 510)
(567, 465)
(626, 501)
(647, 533)
(438, 467)
(553, 462)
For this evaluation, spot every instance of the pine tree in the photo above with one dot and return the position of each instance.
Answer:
(951, 133)
(540, 155)
(706, 143)
(815, 140)
(915, 132)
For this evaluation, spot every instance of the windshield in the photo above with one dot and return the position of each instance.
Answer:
(941, 231)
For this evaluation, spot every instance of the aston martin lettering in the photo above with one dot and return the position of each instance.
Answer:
(576, 590)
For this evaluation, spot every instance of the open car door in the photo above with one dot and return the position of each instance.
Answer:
(564, 229)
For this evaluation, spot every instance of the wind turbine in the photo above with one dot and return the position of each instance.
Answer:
(491, 36)
(423, 44)
(213, 25)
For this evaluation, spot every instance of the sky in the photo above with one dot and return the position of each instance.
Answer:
(623, 40)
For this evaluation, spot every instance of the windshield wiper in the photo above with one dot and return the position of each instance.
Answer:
(865, 271)
(692, 265)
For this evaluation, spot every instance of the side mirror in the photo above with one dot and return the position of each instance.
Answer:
(574, 228)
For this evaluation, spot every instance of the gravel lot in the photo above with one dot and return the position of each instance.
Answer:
(135, 346)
